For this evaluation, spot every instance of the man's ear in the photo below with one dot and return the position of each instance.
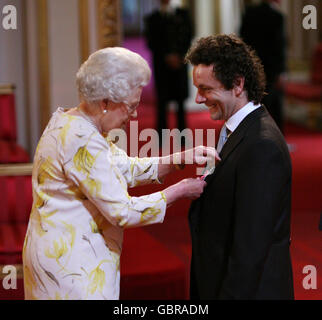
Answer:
(239, 86)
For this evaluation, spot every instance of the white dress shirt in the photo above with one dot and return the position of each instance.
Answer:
(230, 125)
(233, 122)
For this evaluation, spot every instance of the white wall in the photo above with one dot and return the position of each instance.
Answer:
(64, 52)
(12, 65)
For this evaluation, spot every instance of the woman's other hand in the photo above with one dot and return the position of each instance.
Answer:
(190, 188)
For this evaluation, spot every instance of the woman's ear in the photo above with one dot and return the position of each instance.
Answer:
(103, 105)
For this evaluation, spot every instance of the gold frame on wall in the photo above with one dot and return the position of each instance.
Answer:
(83, 29)
(217, 12)
(109, 23)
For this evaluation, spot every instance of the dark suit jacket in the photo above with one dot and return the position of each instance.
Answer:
(240, 226)
(263, 29)
(167, 34)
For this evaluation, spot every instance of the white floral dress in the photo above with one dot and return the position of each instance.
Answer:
(81, 206)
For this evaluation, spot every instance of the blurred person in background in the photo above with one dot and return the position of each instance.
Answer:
(263, 28)
(168, 32)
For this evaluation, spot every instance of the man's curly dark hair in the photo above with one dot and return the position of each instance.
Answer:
(232, 59)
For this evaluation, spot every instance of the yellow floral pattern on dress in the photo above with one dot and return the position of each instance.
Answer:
(45, 170)
(64, 130)
(93, 186)
(58, 296)
(94, 226)
(40, 199)
(81, 206)
(45, 218)
(83, 160)
(59, 250)
(72, 232)
(76, 193)
(150, 213)
(97, 279)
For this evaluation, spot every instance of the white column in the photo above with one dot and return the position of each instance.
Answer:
(205, 26)
(230, 13)
(205, 19)
(64, 52)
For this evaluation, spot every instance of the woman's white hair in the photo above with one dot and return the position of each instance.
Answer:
(113, 74)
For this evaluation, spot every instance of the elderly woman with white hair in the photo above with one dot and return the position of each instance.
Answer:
(81, 204)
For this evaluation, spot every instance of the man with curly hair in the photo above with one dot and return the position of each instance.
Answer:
(240, 226)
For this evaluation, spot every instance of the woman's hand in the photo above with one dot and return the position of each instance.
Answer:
(197, 155)
(188, 188)
(192, 187)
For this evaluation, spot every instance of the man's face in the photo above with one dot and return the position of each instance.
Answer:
(220, 102)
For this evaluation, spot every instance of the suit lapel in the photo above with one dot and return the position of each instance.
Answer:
(235, 139)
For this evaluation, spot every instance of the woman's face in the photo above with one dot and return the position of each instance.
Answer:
(119, 114)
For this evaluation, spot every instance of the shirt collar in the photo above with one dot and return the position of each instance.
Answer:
(233, 122)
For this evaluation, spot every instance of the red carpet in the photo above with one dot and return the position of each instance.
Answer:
(307, 205)
(162, 276)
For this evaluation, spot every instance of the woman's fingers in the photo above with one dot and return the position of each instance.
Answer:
(212, 152)
(201, 155)
(193, 187)
(206, 154)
